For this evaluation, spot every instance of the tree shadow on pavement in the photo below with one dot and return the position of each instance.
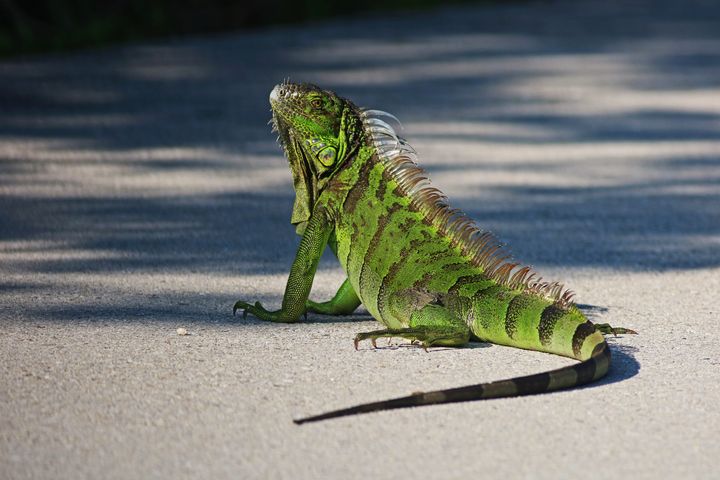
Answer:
(523, 90)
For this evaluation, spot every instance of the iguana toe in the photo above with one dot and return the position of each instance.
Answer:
(606, 329)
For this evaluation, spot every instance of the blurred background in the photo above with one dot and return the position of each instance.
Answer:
(55, 25)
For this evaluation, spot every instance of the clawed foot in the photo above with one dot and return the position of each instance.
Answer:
(246, 307)
(606, 329)
(418, 336)
(260, 312)
(373, 336)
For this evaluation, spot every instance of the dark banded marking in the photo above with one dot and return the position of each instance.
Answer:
(466, 280)
(530, 384)
(548, 318)
(436, 262)
(422, 281)
(585, 371)
(350, 204)
(361, 185)
(382, 187)
(447, 275)
(430, 260)
(438, 255)
(601, 348)
(356, 258)
(601, 355)
(454, 267)
(357, 229)
(515, 309)
(405, 254)
(482, 292)
(582, 331)
(383, 222)
(491, 291)
(406, 225)
(395, 268)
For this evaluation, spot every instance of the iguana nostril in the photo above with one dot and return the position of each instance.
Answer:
(276, 93)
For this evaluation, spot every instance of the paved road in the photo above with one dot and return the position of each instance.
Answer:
(141, 191)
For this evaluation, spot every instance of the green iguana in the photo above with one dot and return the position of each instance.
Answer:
(420, 267)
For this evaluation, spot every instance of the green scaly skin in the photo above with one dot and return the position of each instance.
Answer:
(414, 270)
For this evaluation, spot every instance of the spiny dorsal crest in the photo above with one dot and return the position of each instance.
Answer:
(481, 246)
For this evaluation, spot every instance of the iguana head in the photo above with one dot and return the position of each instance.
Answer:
(318, 131)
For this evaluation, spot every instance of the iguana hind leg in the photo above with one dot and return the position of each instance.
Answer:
(431, 326)
(423, 336)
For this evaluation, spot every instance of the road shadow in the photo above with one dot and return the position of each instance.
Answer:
(637, 92)
(622, 367)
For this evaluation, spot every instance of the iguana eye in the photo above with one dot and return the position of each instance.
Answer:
(316, 103)
(327, 156)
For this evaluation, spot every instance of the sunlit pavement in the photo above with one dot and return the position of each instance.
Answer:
(141, 191)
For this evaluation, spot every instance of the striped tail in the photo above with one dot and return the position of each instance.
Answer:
(582, 373)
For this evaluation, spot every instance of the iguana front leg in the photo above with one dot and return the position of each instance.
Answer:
(344, 302)
(301, 276)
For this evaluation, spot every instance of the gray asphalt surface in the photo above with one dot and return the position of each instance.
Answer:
(141, 191)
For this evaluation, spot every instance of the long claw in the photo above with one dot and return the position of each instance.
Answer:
(246, 307)
(621, 330)
(606, 329)
(238, 305)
